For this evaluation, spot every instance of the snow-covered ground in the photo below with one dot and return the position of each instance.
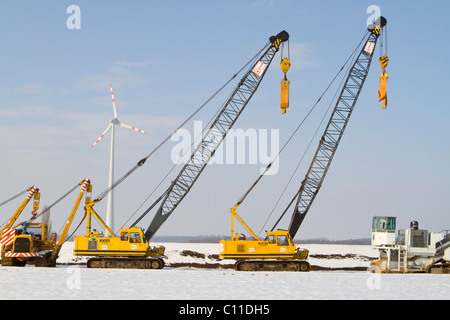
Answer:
(174, 283)
(194, 254)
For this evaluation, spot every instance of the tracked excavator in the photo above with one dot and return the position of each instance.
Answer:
(413, 251)
(277, 251)
(131, 249)
(31, 243)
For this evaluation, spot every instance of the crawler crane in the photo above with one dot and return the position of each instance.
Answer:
(132, 249)
(277, 252)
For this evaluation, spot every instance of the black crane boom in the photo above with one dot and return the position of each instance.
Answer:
(215, 135)
(334, 131)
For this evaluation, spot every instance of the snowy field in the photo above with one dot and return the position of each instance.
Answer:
(74, 282)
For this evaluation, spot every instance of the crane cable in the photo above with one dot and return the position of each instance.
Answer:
(67, 238)
(196, 139)
(13, 197)
(298, 165)
(51, 206)
(142, 161)
(300, 125)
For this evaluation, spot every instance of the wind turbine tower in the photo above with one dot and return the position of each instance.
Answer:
(111, 126)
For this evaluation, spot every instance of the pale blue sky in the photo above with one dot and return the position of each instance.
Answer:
(165, 58)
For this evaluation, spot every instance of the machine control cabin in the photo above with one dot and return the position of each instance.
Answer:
(383, 231)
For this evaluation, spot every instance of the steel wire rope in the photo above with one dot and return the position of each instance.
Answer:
(309, 145)
(195, 141)
(301, 160)
(51, 206)
(67, 238)
(9, 200)
(13, 197)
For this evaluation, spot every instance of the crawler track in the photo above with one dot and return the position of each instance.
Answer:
(272, 265)
(126, 263)
(439, 268)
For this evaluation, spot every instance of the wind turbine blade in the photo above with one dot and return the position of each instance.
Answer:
(114, 102)
(130, 127)
(107, 128)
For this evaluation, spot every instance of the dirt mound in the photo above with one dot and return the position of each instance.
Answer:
(342, 256)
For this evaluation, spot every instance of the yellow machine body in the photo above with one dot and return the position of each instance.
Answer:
(128, 251)
(131, 243)
(30, 245)
(36, 234)
(279, 245)
(276, 253)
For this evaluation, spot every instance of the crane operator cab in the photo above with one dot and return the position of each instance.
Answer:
(383, 231)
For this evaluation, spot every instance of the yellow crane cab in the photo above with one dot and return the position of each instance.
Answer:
(129, 250)
(131, 243)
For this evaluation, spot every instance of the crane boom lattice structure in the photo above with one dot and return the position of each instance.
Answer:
(216, 133)
(334, 131)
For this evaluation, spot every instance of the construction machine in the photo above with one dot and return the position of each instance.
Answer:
(8, 234)
(413, 251)
(133, 249)
(129, 251)
(31, 243)
(277, 251)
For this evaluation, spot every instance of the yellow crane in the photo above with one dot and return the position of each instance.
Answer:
(32, 243)
(278, 252)
(129, 251)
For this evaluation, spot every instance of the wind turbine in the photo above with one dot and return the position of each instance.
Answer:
(114, 122)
